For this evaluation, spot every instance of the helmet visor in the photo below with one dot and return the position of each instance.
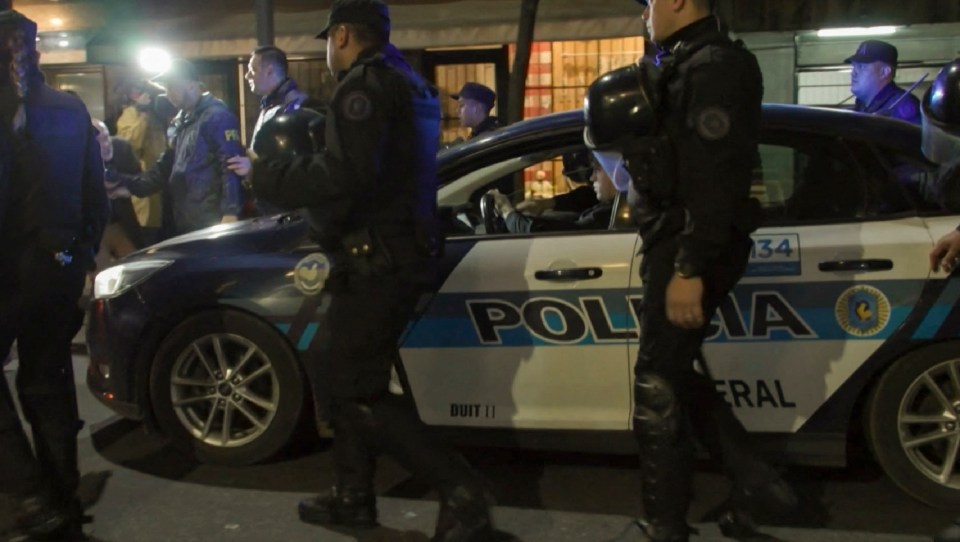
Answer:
(940, 143)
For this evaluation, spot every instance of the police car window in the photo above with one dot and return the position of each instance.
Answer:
(805, 178)
(536, 177)
(914, 184)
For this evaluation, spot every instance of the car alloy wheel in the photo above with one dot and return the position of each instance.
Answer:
(929, 422)
(227, 387)
(912, 421)
(224, 390)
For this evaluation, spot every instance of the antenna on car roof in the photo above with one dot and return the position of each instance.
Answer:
(904, 95)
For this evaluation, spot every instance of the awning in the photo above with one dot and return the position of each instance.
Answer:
(416, 26)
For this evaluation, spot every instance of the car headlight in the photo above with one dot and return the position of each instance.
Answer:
(115, 280)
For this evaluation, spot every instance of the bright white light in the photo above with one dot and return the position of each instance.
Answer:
(856, 31)
(63, 43)
(154, 61)
(56, 21)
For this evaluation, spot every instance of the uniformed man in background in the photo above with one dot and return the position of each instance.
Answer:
(873, 68)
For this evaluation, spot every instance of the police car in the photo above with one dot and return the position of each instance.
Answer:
(837, 336)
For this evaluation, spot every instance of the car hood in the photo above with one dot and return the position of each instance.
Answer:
(268, 233)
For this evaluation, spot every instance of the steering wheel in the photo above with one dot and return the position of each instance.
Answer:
(492, 221)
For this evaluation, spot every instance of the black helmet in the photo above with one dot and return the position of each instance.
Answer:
(941, 115)
(620, 105)
(297, 133)
(578, 166)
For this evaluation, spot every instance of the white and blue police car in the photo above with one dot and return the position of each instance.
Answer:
(838, 335)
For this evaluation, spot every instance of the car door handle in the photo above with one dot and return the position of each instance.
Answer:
(571, 273)
(857, 265)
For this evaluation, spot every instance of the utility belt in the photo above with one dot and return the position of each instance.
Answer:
(368, 252)
(659, 224)
(63, 246)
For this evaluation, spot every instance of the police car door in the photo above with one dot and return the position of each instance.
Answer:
(822, 291)
(528, 331)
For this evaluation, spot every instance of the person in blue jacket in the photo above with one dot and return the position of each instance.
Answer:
(202, 189)
(873, 68)
(55, 213)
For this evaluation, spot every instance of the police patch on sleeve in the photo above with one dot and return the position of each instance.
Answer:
(357, 106)
(713, 123)
(231, 135)
(311, 273)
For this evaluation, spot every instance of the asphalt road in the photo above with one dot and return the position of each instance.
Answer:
(140, 489)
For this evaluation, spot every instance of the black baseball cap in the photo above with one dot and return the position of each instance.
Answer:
(874, 51)
(478, 92)
(179, 70)
(373, 13)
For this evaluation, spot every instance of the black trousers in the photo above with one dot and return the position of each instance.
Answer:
(675, 403)
(356, 346)
(349, 368)
(38, 309)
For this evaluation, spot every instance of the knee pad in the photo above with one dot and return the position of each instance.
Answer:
(656, 409)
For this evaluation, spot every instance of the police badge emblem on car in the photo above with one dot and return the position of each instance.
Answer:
(311, 273)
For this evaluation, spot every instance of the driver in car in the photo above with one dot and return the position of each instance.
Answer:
(594, 218)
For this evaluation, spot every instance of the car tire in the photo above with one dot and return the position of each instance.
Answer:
(914, 430)
(227, 388)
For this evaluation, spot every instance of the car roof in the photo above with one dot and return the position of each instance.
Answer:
(565, 129)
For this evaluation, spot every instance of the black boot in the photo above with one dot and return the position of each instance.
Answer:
(950, 534)
(390, 425)
(758, 492)
(666, 462)
(768, 498)
(352, 502)
(344, 507)
(464, 516)
(44, 518)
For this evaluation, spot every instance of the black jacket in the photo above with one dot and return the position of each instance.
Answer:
(378, 171)
(488, 124)
(891, 102)
(56, 194)
(6, 165)
(711, 92)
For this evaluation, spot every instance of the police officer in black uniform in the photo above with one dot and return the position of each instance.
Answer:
(941, 144)
(57, 210)
(687, 126)
(371, 196)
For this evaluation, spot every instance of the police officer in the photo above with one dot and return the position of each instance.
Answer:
(474, 104)
(596, 217)
(578, 170)
(203, 190)
(57, 210)
(687, 128)
(267, 77)
(371, 195)
(941, 144)
(873, 68)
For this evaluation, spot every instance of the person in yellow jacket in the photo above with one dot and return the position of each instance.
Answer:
(141, 126)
